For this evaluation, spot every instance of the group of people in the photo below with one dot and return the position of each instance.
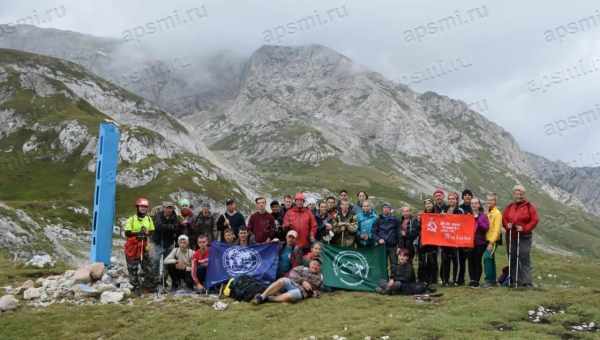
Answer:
(173, 237)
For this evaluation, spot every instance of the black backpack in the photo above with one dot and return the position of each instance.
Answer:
(245, 288)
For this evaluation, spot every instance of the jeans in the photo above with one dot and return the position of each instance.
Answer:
(292, 288)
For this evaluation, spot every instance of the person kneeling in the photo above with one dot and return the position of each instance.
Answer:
(179, 263)
(403, 278)
(301, 283)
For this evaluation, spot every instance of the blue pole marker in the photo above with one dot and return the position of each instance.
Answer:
(107, 159)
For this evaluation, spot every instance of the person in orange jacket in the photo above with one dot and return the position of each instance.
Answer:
(303, 221)
(519, 220)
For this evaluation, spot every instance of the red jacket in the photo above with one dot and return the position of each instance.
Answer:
(303, 222)
(262, 226)
(523, 214)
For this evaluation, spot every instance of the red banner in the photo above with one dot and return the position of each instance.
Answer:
(448, 230)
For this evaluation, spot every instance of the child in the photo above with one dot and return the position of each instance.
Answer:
(403, 278)
(315, 253)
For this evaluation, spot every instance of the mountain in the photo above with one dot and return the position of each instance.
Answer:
(581, 184)
(51, 110)
(283, 119)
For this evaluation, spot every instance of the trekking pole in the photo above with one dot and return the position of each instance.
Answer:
(509, 257)
(518, 260)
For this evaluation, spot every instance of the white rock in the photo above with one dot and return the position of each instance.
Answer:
(111, 297)
(219, 306)
(83, 290)
(40, 261)
(103, 287)
(32, 293)
(531, 312)
(8, 302)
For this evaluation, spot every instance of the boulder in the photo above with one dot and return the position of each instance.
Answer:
(111, 297)
(103, 287)
(96, 271)
(83, 291)
(32, 293)
(82, 274)
(40, 261)
(8, 302)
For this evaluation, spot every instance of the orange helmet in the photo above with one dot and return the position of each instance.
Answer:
(142, 202)
(299, 196)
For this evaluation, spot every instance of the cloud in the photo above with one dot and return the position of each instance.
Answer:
(506, 49)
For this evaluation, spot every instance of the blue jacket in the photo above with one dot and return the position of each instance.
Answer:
(365, 226)
(386, 228)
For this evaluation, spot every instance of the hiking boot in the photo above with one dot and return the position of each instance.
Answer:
(474, 284)
(488, 285)
(258, 299)
(199, 290)
(379, 290)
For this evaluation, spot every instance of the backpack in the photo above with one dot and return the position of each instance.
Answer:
(245, 288)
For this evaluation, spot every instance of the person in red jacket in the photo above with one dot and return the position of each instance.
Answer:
(519, 219)
(303, 221)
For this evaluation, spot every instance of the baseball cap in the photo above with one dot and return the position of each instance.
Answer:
(182, 237)
(293, 233)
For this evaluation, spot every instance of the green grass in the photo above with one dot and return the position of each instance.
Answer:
(462, 313)
(13, 273)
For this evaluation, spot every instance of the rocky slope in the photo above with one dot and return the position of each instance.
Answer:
(581, 185)
(50, 111)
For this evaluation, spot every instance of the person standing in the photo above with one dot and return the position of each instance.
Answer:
(428, 255)
(385, 233)
(519, 220)
(231, 219)
(482, 225)
(278, 216)
(366, 219)
(361, 196)
(138, 228)
(164, 236)
(344, 227)
(261, 224)
(205, 224)
(343, 196)
(464, 253)
(409, 231)
(467, 196)
(321, 217)
(200, 263)
(450, 255)
(493, 236)
(302, 221)
(439, 206)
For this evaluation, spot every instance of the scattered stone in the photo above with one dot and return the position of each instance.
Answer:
(40, 261)
(111, 297)
(219, 306)
(28, 284)
(96, 271)
(82, 274)
(8, 302)
(338, 337)
(32, 293)
(84, 290)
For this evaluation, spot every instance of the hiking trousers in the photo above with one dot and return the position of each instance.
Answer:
(428, 265)
(489, 265)
(475, 265)
(523, 260)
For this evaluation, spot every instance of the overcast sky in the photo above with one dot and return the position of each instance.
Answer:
(499, 55)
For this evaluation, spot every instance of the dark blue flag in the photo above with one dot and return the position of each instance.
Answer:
(226, 261)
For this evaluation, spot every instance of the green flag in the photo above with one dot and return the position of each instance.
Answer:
(353, 269)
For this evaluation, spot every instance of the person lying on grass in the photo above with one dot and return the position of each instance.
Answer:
(301, 283)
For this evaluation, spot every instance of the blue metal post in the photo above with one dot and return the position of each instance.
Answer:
(107, 158)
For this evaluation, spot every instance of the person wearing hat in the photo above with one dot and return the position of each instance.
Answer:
(303, 221)
(385, 233)
(230, 219)
(261, 224)
(289, 255)
(179, 264)
(439, 206)
(204, 224)
(186, 218)
(165, 234)
(519, 219)
(138, 228)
